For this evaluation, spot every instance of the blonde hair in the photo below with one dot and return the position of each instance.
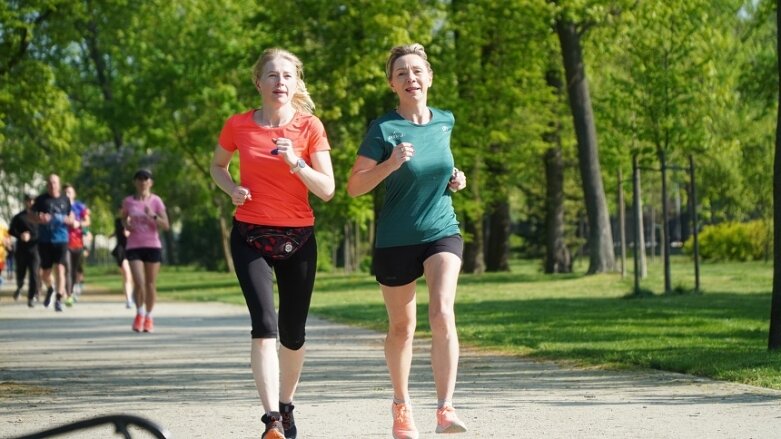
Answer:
(301, 101)
(407, 49)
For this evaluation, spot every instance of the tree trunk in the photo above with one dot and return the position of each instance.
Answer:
(637, 214)
(600, 239)
(622, 221)
(474, 261)
(557, 255)
(498, 243)
(774, 339)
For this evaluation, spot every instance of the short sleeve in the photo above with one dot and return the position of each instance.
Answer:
(39, 205)
(373, 145)
(159, 206)
(318, 139)
(226, 139)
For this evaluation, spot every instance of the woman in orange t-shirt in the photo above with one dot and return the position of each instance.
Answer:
(283, 155)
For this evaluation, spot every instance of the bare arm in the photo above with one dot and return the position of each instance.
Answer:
(319, 178)
(367, 173)
(161, 219)
(222, 177)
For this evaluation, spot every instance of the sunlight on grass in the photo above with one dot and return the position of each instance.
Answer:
(587, 320)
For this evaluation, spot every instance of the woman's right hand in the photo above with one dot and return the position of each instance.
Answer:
(402, 153)
(239, 195)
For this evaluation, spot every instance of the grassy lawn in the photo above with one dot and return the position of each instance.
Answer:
(585, 320)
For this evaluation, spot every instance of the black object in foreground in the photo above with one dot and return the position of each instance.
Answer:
(121, 423)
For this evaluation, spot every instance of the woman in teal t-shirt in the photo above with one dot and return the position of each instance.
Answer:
(417, 231)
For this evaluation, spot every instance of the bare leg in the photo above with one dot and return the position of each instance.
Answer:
(265, 370)
(61, 280)
(402, 315)
(290, 364)
(137, 272)
(441, 271)
(46, 277)
(150, 275)
(127, 280)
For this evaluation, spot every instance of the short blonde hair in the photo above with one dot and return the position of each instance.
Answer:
(407, 49)
(301, 101)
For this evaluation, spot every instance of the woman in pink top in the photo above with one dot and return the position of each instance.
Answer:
(143, 214)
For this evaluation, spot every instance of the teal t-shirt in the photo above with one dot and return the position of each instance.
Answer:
(418, 207)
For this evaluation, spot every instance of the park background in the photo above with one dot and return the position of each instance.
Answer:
(554, 103)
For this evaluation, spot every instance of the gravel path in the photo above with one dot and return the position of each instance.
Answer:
(192, 376)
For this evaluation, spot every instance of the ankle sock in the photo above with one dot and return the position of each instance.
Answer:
(442, 403)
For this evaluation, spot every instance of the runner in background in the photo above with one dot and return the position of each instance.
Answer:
(54, 215)
(77, 232)
(143, 215)
(28, 263)
(120, 256)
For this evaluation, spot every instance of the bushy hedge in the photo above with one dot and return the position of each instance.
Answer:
(733, 241)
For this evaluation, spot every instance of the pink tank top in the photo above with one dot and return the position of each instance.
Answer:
(143, 229)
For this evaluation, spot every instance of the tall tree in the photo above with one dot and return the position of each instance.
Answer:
(37, 125)
(600, 238)
(558, 258)
(774, 340)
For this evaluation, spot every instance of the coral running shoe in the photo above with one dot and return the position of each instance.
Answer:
(448, 422)
(138, 323)
(274, 428)
(403, 424)
(149, 324)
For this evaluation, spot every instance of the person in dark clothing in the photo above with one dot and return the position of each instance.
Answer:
(25, 229)
(124, 266)
(54, 215)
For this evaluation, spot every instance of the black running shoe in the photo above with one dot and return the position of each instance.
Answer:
(17, 293)
(48, 300)
(274, 429)
(288, 421)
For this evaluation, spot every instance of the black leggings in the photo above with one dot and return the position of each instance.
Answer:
(295, 282)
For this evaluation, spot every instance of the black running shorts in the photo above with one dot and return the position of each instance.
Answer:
(146, 254)
(397, 266)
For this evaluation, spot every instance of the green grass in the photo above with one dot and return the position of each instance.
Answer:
(583, 320)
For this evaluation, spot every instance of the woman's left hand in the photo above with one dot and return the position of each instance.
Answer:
(457, 180)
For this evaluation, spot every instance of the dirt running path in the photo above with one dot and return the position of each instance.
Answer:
(192, 376)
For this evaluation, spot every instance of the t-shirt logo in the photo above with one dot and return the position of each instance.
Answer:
(395, 137)
(445, 129)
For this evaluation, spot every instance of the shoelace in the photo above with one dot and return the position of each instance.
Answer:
(287, 422)
(402, 414)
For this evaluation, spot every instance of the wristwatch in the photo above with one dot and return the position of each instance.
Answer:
(300, 164)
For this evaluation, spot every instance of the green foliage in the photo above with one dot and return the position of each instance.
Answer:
(94, 89)
(733, 241)
(198, 247)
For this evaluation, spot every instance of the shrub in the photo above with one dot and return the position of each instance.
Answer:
(734, 241)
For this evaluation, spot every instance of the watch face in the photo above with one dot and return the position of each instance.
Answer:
(301, 163)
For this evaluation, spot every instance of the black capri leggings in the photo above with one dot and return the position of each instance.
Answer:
(295, 282)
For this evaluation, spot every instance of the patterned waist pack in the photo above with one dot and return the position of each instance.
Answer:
(277, 243)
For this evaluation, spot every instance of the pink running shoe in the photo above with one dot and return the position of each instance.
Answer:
(138, 323)
(149, 324)
(448, 422)
(403, 424)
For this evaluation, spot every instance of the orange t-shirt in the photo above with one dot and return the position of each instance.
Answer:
(279, 198)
